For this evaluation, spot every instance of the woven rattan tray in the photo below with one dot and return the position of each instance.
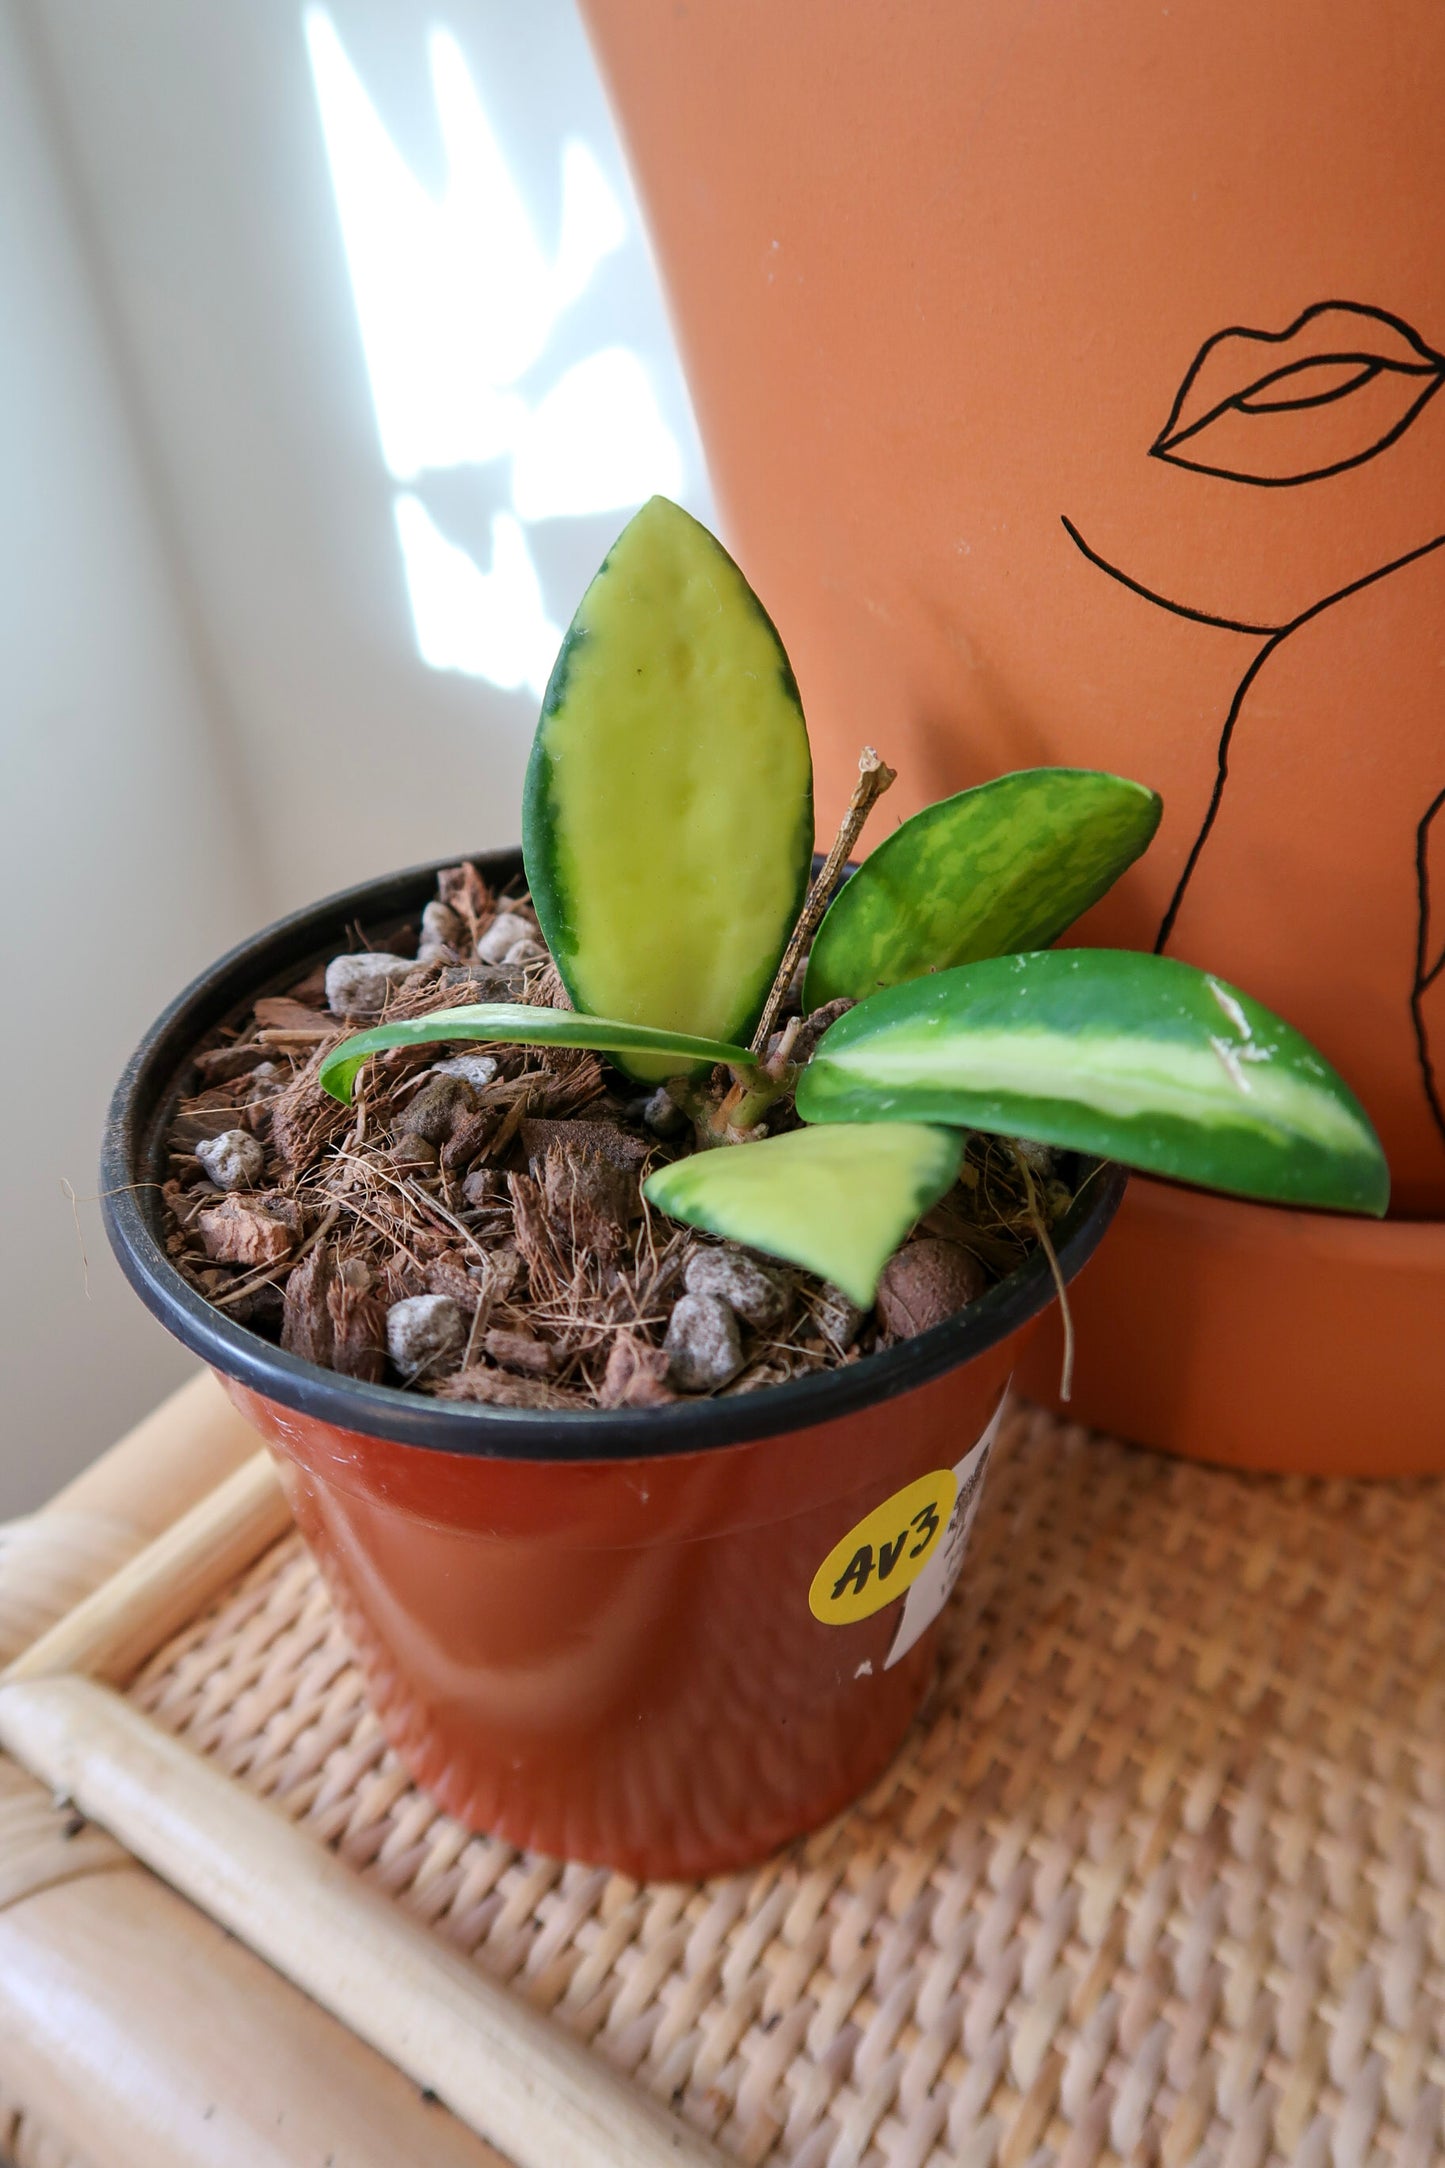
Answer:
(1159, 1878)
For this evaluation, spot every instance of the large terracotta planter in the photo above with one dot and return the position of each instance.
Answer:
(1068, 378)
(670, 1639)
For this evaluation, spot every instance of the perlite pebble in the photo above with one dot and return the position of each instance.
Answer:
(358, 985)
(703, 1346)
(475, 1069)
(442, 934)
(838, 1317)
(505, 931)
(423, 1331)
(529, 950)
(234, 1160)
(759, 1296)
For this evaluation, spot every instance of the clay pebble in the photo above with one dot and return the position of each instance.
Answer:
(926, 1282)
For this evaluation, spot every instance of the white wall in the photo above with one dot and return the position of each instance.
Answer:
(196, 136)
(122, 863)
(215, 703)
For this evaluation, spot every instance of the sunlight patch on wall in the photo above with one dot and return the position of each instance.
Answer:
(488, 624)
(457, 302)
(592, 439)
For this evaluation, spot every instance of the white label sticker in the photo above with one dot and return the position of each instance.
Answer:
(931, 1591)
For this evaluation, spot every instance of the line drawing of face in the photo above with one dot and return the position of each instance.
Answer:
(1275, 409)
(1278, 410)
(1338, 386)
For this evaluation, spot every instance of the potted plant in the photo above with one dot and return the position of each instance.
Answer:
(643, 1546)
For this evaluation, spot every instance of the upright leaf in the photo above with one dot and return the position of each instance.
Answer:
(667, 821)
(1007, 866)
(836, 1201)
(494, 1022)
(1136, 1058)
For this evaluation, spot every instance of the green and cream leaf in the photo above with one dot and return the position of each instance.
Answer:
(837, 1201)
(1140, 1059)
(496, 1022)
(667, 821)
(1004, 867)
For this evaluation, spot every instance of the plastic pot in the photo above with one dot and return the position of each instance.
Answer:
(1069, 379)
(669, 1640)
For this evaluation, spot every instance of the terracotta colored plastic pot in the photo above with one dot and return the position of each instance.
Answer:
(1069, 381)
(1343, 1379)
(669, 1640)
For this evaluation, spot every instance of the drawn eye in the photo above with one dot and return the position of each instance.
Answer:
(1274, 408)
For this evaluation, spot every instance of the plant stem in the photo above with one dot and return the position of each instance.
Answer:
(874, 777)
(752, 1094)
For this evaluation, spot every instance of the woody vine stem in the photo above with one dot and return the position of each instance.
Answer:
(754, 1092)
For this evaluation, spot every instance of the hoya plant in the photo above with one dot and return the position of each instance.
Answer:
(668, 843)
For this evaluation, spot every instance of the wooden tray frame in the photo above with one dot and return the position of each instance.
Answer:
(505, 2071)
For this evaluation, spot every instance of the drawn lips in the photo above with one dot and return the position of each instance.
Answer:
(1340, 384)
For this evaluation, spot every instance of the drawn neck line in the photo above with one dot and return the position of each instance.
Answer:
(1272, 633)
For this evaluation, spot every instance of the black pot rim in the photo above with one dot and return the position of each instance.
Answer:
(131, 1205)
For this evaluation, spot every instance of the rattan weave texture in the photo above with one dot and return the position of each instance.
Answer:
(1159, 1879)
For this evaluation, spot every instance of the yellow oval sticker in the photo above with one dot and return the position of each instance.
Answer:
(884, 1554)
